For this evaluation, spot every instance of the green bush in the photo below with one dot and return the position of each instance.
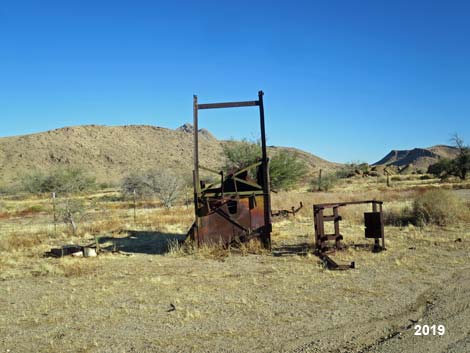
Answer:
(241, 154)
(326, 182)
(59, 180)
(285, 168)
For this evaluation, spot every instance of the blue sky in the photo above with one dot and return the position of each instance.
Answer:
(346, 80)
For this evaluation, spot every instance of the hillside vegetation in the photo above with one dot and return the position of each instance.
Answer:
(111, 152)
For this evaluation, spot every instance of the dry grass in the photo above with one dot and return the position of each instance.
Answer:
(17, 241)
(274, 301)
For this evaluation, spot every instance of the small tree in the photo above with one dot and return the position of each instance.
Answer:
(241, 154)
(458, 167)
(164, 184)
(442, 168)
(167, 186)
(286, 169)
(136, 182)
(72, 212)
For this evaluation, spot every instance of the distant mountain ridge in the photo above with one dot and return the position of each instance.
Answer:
(111, 152)
(417, 158)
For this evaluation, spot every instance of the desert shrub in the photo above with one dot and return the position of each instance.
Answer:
(59, 180)
(351, 169)
(438, 207)
(325, 183)
(398, 217)
(136, 183)
(72, 212)
(166, 185)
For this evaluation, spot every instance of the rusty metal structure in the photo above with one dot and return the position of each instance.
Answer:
(237, 208)
(374, 229)
(287, 213)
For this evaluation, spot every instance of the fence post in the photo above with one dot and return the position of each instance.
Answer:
(55, 214)
(135, 214)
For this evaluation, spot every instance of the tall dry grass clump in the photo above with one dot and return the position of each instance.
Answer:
(20, 241)
(439, 207)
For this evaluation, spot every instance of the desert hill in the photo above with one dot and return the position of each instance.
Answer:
(110, 152)
(416, 158)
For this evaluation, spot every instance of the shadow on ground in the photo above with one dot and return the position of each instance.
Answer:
(144, 242)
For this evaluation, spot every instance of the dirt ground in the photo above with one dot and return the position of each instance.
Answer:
(152, 297)
(148, 300)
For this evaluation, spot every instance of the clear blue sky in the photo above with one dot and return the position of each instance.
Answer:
(346, 80)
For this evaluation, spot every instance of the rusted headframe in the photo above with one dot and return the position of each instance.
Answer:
(238, 207)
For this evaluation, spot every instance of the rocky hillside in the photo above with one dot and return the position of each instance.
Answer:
(417, 158)
(110, 152)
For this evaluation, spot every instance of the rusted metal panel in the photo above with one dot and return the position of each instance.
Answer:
(230, 220)
(373, 224)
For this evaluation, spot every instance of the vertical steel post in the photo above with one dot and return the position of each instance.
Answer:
(197, 184)
(382, 227)
(266, 236)
(376, 240)
(336, 224)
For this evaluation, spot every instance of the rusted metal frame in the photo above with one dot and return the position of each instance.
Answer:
(382, 227)
(228, 105)
(340, 204)
(240, 193)
(321, 228)
(266, 236)
(222, 183)
(248, 183)
(292, 211)
(237, 195)
(266, 233)
(212, 171)
(330, 264)
(316, 227)
(254, 165)
(376, 240)
(295, 210)
(209, 169)
(196, 180)
(336, 225)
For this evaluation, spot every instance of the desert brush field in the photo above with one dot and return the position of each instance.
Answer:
(147, 291)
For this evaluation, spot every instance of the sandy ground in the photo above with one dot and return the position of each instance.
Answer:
(149, 301)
